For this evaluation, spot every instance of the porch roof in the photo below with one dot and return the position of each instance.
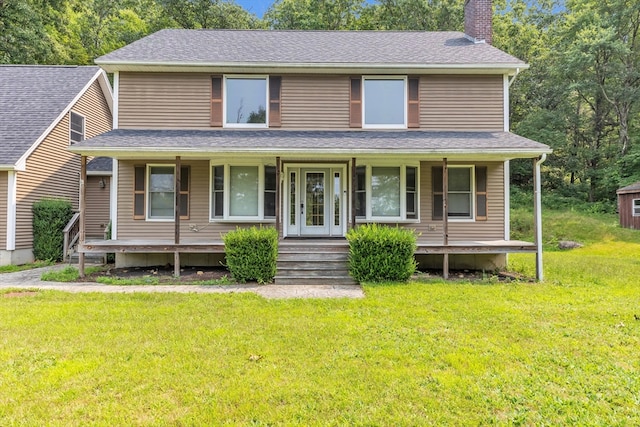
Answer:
(145, 144)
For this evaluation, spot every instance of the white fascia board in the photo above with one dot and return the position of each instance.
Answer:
(12, 192)
(329, 68)
(154, 153)
(21, 163)
(113, 199)
(116, 100)
(99, 173)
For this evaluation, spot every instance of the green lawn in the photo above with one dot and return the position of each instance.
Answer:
(565, 352)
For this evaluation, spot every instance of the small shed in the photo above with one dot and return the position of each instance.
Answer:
(629, 206)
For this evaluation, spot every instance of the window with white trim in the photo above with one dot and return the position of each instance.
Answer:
(161, 193)
(76, 128)
(246, 192)
(467, 192)
(384, 103)
(636, 207)
(245, 101)
(386, 193)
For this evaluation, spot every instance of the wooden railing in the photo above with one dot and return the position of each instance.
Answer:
(71, 236)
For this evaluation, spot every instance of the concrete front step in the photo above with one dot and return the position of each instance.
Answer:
(319, 262)
(312, 256)
(320, 280)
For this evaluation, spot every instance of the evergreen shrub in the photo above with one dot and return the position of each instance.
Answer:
(251, 253)
(380, 253)
(50, 216)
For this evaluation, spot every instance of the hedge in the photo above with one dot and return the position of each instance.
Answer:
(379, 253)
(251, 253)
(50, 216)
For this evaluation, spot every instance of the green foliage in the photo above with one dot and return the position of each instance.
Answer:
(67, 274)
(50, 216)
(13, 268)
(380, 253)
(251, 253)
(562, 352)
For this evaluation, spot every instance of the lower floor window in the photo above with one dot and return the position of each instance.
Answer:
(466, 195)
(243, 192)
(386, 192)
(636, 207)
(161, 192)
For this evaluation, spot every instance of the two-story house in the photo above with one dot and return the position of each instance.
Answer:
(313, 132)
(43, 110)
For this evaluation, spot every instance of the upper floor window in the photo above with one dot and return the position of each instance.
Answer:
(76, 128)
(245, 102)
(384, 102)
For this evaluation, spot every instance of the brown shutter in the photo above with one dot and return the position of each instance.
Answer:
(481, 193)
(413, 119)
(216, 101)
(275, 87)
(355, 103)
(138, 192)
(437, 184)
(184, 192)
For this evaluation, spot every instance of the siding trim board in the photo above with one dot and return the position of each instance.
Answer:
(12, 189)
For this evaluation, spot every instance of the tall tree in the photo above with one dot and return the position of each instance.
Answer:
(23, 39)
(313, 14)
(194, 14)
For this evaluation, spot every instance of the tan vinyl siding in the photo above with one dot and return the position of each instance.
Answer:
(51, 170)
(199, 198)
(164, 100)
(315, 102)
(97, 198)
(491, 229)
(462, 103)
(4, 183)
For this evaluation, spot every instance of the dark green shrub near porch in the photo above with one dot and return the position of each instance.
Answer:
(380, 253)
(50, 216)
(251, 253)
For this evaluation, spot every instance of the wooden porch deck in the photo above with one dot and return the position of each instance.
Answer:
(212, 246)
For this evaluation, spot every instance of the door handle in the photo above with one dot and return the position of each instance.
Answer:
(301, 208)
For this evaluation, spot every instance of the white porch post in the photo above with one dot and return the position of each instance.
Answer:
(12, 190)
(537, 202)
(82, 207)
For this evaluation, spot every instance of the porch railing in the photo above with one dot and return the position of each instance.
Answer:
(71, 236)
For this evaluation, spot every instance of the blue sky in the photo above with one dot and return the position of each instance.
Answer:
(257, 7)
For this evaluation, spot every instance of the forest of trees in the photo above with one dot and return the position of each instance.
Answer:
(581, 95)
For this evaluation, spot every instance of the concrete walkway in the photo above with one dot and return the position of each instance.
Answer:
(30, 279)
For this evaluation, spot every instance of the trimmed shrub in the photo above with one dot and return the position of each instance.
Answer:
(380, 253)
(251, 253)
(50, 216)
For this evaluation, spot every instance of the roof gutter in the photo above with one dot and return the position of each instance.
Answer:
(112, 66)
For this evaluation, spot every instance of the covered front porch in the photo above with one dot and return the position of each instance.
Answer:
(346, 179)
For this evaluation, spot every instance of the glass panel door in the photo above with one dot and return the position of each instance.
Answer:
(314, 208)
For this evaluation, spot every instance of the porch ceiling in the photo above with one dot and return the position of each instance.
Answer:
(146, 144)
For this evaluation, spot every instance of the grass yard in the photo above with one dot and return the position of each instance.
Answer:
(560, 353)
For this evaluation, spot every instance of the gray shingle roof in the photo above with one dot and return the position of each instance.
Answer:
(31, 98)
(633, 188)
(150, 142)
(178, 46)
(100, 164)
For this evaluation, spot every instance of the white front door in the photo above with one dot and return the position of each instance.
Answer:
(315, 205)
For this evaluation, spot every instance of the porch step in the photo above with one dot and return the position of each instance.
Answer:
(314, 262)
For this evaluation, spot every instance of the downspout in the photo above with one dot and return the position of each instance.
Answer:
(538, 217)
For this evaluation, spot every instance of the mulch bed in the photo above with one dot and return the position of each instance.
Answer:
(164, 274)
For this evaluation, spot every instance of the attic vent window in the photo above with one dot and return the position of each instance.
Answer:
(76, 128)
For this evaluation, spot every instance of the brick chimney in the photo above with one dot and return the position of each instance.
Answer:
(477, 20)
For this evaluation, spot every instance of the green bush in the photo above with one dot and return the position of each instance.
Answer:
(380, 253)
(251, 253)
(50, 216)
